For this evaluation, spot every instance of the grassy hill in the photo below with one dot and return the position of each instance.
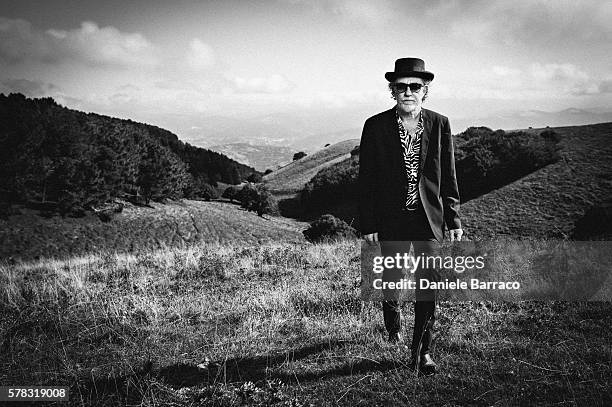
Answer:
(176, 224)
(290, 179)
(279, 324)
(547, 202)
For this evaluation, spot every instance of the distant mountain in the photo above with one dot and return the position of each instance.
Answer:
(309, 129)
(511, 120)
(306, 130)
(261, 157)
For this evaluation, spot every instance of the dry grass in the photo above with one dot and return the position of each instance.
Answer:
(290, 179)
(278, 324)
(175, 224)
(547, 202)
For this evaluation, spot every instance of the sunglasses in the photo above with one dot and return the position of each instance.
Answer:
(400, 87)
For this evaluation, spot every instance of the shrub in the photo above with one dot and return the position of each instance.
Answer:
(299, 155)
(208, 192)
(200, 189)
(230, 193)
(256, 198)
(254, 178)
(551, 135)
(328, 228)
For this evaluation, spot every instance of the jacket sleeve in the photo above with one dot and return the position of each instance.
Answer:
(367, 184)
(448, 188)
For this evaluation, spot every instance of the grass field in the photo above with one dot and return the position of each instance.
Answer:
(175, 224)
(279, 324)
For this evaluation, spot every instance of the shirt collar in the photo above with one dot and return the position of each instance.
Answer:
(419, 127)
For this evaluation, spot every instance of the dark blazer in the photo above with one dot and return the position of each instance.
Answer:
(382, 175)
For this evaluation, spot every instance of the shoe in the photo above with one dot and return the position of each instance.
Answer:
(395, 338)
(427, 365)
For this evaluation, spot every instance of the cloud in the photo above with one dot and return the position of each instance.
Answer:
(272, 84)
(370, 13)
(201, 55)
(28, 87)
(537, 80)
(551, 23)
(89, 44)
(558, 73)
(122, 98)
(605, 86)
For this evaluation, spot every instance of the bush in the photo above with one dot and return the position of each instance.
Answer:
(299, 155)
(200, 189)
(328, 228)
(208, 192)
(551, 135)
(230, 193)
(254, 178)
(256, 198)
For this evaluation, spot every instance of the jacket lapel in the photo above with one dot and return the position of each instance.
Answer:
(427, 125)
(396, 149)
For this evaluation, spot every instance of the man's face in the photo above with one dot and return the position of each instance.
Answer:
(409, 101)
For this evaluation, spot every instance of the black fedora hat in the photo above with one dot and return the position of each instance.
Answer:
(409, 67)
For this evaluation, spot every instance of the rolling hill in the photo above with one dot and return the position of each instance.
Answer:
(545, 203)
(290, 179)
(176, 224)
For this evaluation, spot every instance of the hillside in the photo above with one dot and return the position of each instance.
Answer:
(71, 160)
(545, 203)
(176, 224)
(260, 157)
(290, 179)
(549, 201)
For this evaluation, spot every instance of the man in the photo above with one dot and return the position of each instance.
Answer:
(408, 192)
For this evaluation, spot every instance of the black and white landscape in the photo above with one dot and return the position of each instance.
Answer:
(178, 200)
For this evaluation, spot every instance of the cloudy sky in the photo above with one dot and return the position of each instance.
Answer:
(177, 63)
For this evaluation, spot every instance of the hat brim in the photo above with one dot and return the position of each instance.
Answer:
(392, 76)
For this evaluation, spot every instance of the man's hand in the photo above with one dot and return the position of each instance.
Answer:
(456, 234)
(372, 237)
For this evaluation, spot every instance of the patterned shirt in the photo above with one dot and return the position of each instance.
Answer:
(411, 146)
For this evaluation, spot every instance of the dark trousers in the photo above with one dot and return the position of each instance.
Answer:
(411, 229)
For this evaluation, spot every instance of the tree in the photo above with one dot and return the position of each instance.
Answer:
(256, 198)
(230, 193)
(254, 178)
(299, 155)
(209, 192)
(264, 203)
